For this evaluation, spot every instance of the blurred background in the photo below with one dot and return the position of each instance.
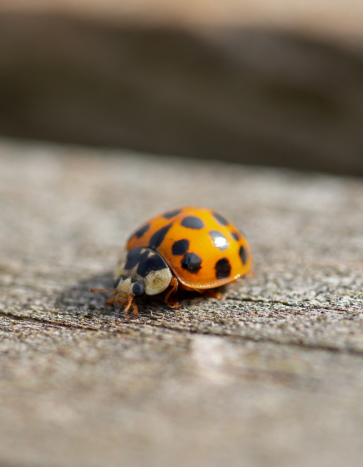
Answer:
(270, 82)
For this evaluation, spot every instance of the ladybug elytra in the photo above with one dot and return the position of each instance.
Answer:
(195, 249)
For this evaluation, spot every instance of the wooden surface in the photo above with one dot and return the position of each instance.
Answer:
(318, 17)
(254, 94)
(272, 376)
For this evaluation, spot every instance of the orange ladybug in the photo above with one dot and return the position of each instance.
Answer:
(192, 248)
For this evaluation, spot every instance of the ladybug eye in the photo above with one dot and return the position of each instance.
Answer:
(138, 289)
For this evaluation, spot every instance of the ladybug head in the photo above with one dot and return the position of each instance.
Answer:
(141, 271)
(127, 286)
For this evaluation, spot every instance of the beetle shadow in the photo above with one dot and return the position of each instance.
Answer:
(78, 299)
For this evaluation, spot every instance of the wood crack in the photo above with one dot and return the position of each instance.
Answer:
(44, 321)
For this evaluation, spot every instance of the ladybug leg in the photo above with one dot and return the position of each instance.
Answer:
(111, 301)
(130, 304)
(135, 310)
(174, 283)
(213, 294)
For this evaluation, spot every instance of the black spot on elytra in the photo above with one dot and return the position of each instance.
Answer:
(139, 233)
(192, 222)
(236, 235)
(170, 214)
(152, 263)
(158, 237)
(223, 268)
(220, 218)
(243, 255)
(134, 257)
(180, 247)
(191, 262)
(219, 240)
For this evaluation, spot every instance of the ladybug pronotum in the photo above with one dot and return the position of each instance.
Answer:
(191, 248)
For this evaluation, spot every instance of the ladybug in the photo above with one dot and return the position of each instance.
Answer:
(195, 249)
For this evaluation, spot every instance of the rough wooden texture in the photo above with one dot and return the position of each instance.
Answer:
(272, 376)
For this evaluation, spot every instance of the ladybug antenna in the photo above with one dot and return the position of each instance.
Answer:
(103, 290)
